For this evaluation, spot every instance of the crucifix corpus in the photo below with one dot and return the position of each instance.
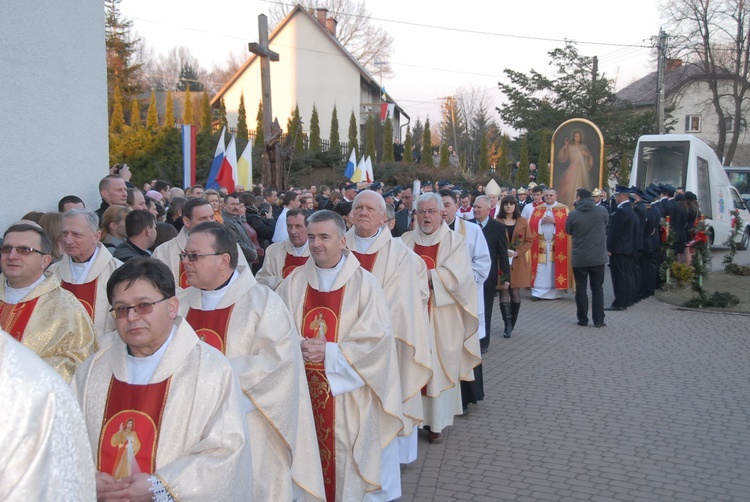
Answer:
(273, 167)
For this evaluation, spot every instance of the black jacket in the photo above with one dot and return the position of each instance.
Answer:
(496, 235)
(128, 250)
(621, 231)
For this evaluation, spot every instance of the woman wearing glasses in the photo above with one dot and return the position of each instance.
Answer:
(519, 244)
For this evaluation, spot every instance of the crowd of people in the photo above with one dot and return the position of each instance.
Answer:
(284, 346)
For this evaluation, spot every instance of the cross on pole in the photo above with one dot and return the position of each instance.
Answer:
(273, 168)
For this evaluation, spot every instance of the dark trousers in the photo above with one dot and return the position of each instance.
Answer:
(489, 299)
(620, 267)
(636, 284)
(649, 273)
(595, 277)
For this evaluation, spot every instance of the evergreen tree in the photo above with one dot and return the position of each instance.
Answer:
(260, 140)
(242, 134)
(314, 131)
(416, 136)
(408, 147)
(484, 155)
(294, 133)
(169, 112)
(223, 123)
(188, 79)
(187, 114)
(624, 173)
(135, 114)
(522, 176)
(445, 156)
(353, 134)
(335, 140)
(388, 140)
(542, 165)
(122, 51)
(501, 168)
(197, 113)
(152, 119)
(117, 120)
(370, 139)
(206, 117)
(427, 145)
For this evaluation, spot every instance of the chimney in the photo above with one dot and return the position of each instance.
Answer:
(673, 64)
(331, 26)
(322, 13)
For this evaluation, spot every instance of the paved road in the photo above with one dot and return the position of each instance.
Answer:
(655, 406)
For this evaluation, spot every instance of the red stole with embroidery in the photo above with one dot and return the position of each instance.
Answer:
(86, 294)
(429, 256)
(320, 319)
(559, 254)
(183, 280)
(211, 326)
(291, 262)
(130, 430)
(366, 261)
(14, 318)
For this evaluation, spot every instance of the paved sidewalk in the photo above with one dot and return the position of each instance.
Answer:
(655, 406)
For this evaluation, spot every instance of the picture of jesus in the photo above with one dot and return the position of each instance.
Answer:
(320, 326)
(577, 159)
(128, 445)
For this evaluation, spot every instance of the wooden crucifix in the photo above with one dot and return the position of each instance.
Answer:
(273, 162)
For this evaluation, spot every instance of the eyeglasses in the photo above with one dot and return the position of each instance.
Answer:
(193, 257)
(140, 309)
(423, 212)
(22, 250)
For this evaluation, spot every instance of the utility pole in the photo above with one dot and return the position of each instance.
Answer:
(661, 64)
(273, 166)
(594, 72)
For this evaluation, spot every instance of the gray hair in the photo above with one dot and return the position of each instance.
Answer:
(381, 200)
(92, 220)
(390, 212)
(328, 215)
(426, 197)
(483, 198)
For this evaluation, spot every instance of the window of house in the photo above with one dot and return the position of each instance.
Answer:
(728, 123)
(692, 123)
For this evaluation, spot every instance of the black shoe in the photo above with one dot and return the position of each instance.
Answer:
(614, 309)
(602, 325)
(485, 350)
(583, 323)
(506, 335)
(465, 411)
(535, 299)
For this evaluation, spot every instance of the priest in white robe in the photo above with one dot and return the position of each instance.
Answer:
(163, 410)
(403, 277)
(351, 365)
(453, 312)
(284, 256)
(41, 457)
(253, 327)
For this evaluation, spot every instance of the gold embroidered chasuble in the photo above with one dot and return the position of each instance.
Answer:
(279, 263)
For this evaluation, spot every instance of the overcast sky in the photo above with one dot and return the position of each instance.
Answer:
(440, 46)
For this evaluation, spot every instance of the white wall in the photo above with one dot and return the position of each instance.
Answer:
(53, 115)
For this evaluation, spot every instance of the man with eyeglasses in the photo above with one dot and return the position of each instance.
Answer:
(551, 270)
(86, 266)
(351, 365)
(283, 257)
(250, 324)
(196, 211)
(452, 313)
(403, 277)
(164, 411)
(34, 309)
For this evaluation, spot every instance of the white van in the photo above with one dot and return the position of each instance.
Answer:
(682, 160)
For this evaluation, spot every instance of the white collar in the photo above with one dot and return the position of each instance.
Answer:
(141, 369)
(327, 276)
(363, 243)
(210, 299)
(297, 251)
(79, 271)
(15, 295)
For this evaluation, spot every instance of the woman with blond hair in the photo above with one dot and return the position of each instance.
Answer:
(51, 223)
(213, 198)
(113, 226)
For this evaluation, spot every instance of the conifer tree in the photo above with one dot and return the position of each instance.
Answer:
(135, 114)
(408, 147)
(335, 140)
(484, 155)
(169, 112)
(260, 140)
(445, 156)
(242, 134)
(353, 134)
(197, 113)
(388, 140)
(314, 131)
(624, 173)
(542, 175)
(370, 139)
(187, 114)
(522, 176)
(206, 117)
(294, 133)
(152, 119)
(223, 123)
(502, 169)
(117, 120)
(427, 145)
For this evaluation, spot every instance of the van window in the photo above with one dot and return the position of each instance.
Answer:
(737, 200)
(704, 189)
(663, 162)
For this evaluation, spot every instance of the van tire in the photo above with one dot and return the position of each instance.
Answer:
(745, 241)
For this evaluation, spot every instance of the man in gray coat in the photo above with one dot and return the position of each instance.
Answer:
(587, 225)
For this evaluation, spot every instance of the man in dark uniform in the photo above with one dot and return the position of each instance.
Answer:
(620, 248)
(641, 212)
(651, 243)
